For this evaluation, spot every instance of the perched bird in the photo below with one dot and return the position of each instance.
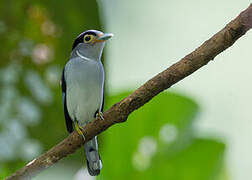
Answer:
(83, 89)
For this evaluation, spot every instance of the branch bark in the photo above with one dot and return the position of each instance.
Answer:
(119, 112)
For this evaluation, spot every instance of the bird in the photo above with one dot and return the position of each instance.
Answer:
(82, 84)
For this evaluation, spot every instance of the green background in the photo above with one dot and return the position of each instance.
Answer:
(157, 142)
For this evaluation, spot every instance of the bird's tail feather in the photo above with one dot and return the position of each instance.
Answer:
(94, 162)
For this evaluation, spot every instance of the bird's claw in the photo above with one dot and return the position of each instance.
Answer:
(79, 130)
(100, 115)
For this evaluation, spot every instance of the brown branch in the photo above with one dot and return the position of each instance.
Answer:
(120, 111)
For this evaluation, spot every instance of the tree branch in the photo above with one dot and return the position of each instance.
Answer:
(120, 111)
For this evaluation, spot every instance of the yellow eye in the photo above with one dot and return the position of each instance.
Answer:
(88, 38)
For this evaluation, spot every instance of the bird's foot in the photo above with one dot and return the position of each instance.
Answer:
(100, 115)
(79, 129)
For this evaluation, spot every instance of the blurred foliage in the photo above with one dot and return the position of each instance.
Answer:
(156, 142)
(36, 40)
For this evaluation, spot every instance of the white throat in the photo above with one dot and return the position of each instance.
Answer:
(83, 57)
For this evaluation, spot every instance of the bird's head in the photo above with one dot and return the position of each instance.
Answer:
(90, 44)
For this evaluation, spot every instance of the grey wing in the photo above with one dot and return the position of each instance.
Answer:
(102, 107)
(102, 103)
(69, 122)
(103, 85)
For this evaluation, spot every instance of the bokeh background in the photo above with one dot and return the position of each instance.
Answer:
(198, 130)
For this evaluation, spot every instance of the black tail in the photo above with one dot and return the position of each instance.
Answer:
(94, 163)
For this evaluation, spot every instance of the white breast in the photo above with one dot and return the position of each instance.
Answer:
(84, 89)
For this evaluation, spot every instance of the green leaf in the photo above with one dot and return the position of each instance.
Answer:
(202, 160)
(165, 125)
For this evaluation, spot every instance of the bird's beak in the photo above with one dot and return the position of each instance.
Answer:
(104, 37)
